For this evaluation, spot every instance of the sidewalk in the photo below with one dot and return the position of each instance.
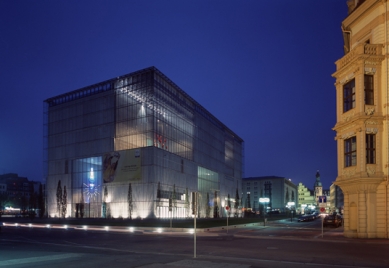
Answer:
(251, 230)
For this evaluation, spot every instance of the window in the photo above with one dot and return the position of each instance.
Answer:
(350, 152)
(370, 149)
(349, 96)
(369, 89)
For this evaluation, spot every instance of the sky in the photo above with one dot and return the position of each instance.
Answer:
(263, 68)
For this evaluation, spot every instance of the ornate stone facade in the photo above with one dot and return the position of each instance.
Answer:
(362, 119)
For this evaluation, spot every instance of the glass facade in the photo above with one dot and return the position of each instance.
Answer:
(144, 119)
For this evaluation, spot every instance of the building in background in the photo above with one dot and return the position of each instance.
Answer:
(309, 200)
(336, 199)
(18, 192)
(137, 146)
(319, 193)
(362, 119)
(306, 199)
(279, 190)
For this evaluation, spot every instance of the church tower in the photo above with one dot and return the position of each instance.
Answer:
(318, 188)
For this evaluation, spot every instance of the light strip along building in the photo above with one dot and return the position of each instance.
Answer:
(127, 146)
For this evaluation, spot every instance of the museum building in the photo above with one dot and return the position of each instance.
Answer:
(137, 146)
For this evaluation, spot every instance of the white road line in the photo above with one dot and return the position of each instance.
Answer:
(39, 259)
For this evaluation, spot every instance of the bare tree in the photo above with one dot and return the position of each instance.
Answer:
(59, 199)
(82, 202)
(236, 201)
(105, 202)
(215, 207)
(64, 202)
(208, 207)
(187, 201)
(129, 200)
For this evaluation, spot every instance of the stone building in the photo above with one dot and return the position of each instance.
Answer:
(362, 119)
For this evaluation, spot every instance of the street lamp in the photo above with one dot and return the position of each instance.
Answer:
(264, 200)
(291, 205)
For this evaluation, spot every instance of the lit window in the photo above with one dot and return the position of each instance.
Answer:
(350, 152)
(370, 149)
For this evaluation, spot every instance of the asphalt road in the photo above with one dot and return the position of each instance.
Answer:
(278, 244)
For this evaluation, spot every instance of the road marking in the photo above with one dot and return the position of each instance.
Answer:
(39, 259)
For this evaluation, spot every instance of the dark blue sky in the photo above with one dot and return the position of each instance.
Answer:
(262, 67)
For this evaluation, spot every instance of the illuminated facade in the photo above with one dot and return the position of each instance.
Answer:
(306, 199)
(127, 146)
(362, 120)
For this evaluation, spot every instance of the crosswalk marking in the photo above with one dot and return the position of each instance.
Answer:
(39, 259)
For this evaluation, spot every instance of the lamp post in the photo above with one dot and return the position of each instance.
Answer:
(291, 205)
(264, 200)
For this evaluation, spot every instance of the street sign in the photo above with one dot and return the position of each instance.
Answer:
(322, 210)
(323, 199)
(227, 207)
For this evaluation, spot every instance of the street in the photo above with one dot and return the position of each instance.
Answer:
(278, 244)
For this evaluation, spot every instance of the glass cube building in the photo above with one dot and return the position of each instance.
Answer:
(137, 146)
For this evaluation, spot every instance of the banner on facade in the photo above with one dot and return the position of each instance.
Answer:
(122, 166)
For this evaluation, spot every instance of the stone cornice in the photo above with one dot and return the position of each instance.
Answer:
(358, 12)
(357, 185)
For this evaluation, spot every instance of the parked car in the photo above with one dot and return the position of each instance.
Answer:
(332, 220)
(306, 217)
(316, 215)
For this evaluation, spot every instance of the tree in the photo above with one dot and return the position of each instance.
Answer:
(129, 200)
(208, 207)
(59, 198)
(174, 199)
(215, 207)
(64, 202)
(187, 201)
(236, 201)
(82, 202)
(41, 202)
(105, 195)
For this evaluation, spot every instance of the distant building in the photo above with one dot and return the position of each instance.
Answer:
(3, 187)
(318, 187)
(320, 192)
(309, 199)
(336, 199)
(279, 190)
(362, 112)
(137, 146)
(17, 189)
(306, 199)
